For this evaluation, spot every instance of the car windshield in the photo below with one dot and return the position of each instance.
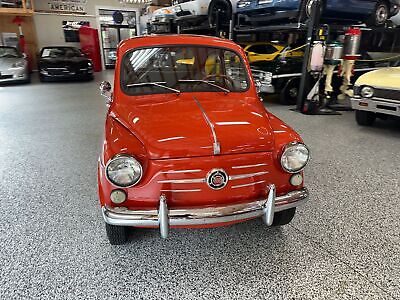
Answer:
(9, 52)
(183, 69)
(61, 52)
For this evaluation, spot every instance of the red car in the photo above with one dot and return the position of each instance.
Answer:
(189, 144)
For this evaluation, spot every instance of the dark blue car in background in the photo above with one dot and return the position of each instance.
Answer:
(372, 12)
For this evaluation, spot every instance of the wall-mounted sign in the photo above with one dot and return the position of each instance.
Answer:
(70, 6)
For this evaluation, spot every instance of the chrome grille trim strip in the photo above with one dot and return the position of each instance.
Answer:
(247, 184)
(197, 180)
(249, 166)
(181, 171)
(182, 191)
(216, 144)
(243, 176)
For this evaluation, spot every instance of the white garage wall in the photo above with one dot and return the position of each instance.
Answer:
(49, 26)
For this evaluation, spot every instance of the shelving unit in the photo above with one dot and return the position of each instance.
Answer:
(25, 8)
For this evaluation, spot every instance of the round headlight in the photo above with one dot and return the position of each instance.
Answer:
(124, 171)
(295, 157)
(367, 92)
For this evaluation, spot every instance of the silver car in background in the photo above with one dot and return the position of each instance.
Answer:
(13, 66)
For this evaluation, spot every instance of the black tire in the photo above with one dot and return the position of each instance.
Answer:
(42, 78)
(225, 9)
(380, 15)
(284, 217)
(117, 235)
(29, 79)
(308, 7)
(290, 92)
(365, 118)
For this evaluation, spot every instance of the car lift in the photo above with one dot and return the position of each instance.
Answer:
(308, 31)
(218, 30)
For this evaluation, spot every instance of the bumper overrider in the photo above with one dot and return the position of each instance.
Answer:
(164, 218)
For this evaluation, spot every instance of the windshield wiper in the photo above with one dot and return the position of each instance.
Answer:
(159, 84)
(226, 91)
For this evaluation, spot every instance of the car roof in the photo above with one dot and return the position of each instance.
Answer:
(175, 39)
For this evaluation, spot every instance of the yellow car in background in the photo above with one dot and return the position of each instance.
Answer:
(268, 51)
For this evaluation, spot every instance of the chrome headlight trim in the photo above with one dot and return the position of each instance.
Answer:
(119, 157)
(288, 147)
(367, 91)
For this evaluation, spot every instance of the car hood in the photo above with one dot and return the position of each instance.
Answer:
(386, 78)
(63, 61)
(6, 63)
(177, 126)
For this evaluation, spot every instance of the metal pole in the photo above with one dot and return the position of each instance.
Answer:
(217, 25)
(312, 24)
(231, 22)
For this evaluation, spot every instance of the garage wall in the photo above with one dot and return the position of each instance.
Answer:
(49, 25)
(28, 28)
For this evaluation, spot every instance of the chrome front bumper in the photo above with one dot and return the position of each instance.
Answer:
(164, 218)
(376, 105)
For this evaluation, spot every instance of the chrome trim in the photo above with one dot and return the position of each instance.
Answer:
(118, 156)
(244, 176)
(197, 180)
(372, 106)
(247, 184)
(182, 191)
(249, 166)
(64, 69)
(384, 100)
(163, 217)
(121, 216)
(269, 207)
(378, 87)
(216, 144)
(291, 144)
(181, 171)
(360, 98)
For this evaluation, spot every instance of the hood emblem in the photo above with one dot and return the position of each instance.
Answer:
(217, 179)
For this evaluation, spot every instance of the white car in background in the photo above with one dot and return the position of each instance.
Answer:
(13, 66)
(162, 20)
(396, 19)
(200, 9)
(163, 15)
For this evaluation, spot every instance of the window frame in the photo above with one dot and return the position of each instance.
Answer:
(125, 90)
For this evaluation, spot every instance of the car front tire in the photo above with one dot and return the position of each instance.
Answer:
(117, 235)
(284, 217)
(365, 118)
(42, 78)
(290, 92)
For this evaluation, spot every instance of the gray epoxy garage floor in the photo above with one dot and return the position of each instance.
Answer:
(343, 244)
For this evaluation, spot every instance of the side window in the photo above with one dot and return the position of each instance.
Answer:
(262, 49)
(269, 49)
(251, 49)
(235, 70)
